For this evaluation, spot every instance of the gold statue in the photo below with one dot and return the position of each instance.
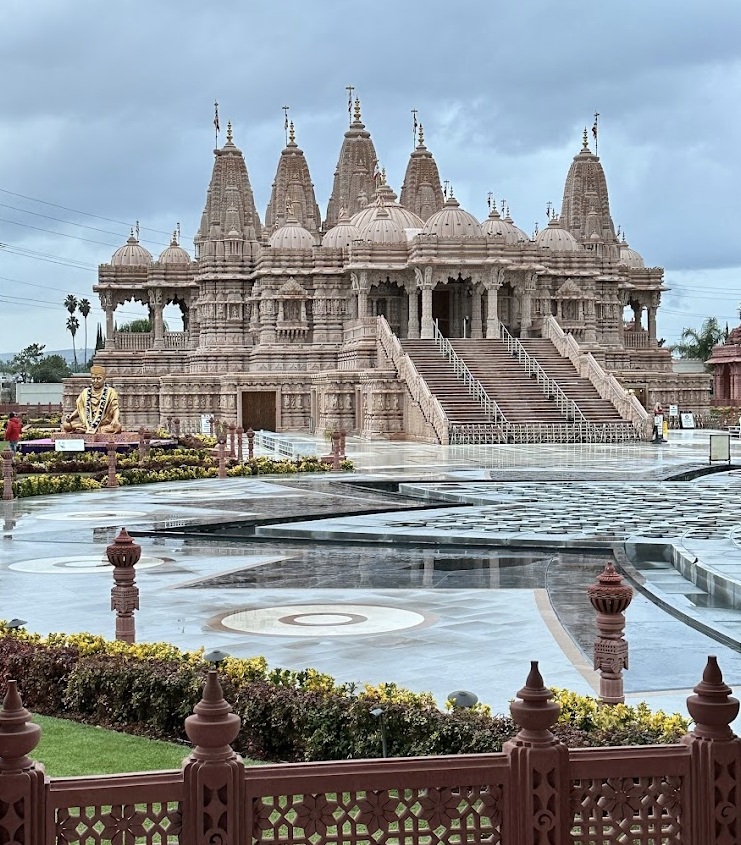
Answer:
(96, 409)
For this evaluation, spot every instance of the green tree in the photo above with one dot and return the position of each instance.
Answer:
(73, 324)
(21, 365)
(699, 344)
(70, 303)
(84, 308)
(143, 324)
(51, 368)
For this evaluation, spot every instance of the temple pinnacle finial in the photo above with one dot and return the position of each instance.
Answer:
(421, 142)
(585, 140)
(383, 175)
(291, 133)
(356, 113)
(229, 138)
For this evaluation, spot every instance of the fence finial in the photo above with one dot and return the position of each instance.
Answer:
(213, 726)
(533, 709)
(18, 734)
(713, 707)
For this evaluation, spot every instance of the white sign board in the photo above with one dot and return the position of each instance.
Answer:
(673, 411)
(69, 445)
(205, 423)
(720, 447)
(687, 420)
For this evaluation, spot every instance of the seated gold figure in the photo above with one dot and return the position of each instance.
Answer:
(96, 409)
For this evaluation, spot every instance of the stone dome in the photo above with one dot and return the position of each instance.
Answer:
(174, 254)
(404, 218)
(495, 226)
(630, 256)
(132, 253)
(292, 235)
(452, 222)
(383, 229)
(556, 239)
(341, 235)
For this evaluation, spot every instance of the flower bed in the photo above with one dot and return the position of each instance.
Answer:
(149, 689)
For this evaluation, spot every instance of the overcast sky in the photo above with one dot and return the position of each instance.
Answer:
(107, 110)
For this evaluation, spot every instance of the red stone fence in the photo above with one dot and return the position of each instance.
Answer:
(536, 792)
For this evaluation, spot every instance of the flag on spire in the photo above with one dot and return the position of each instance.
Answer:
(216, 117)
(594, 131)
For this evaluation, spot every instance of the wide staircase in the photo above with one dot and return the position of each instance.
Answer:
(538, 396)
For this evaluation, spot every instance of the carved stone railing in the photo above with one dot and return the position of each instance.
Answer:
(636, 339)
(362, 328)
(431, 409)
(548, 385)
(536, 790)
(176, 340)
(472, 384)
(133, 341)
(604, 383)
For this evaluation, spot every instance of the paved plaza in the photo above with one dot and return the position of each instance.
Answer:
(436, 568)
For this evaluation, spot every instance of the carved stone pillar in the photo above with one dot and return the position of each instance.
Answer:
(7, 457)
(123, 554)
(213, 774)
(477, 325)
(652, 325)
(539, 766)
(158, 323)
(610, 598)
(492, 315)
(413, 308)
(112, 456)
(106, 303)
(22, 782)
(221, 442)
(715, 760)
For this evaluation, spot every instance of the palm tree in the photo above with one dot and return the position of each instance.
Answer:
(699, 344)
(84, 308)
(70, 303)
(72, 325)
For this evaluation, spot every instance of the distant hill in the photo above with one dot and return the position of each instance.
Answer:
(67, 354)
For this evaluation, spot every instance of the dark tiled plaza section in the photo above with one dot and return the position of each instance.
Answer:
(437, 568)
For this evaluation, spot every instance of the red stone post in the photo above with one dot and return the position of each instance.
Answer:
(716, 760)
(610, 598)
(240, 444)
(232, 437)
(123, 554)
(112, 455)
(214, 784)
(7, 457)
(176, 423)
(335, 451)
(212, 425)
(539, 767)
(250, 443)
(343, 439)
(221, 440)
(22, 782)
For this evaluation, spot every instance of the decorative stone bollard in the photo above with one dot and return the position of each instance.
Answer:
(176, 424)
(250, 443)
(146, 444)
(240, 444)
(537, 757)
(222, 455)
(23, 818)
(610, 598)
(123, 554)
(169, 425)
(211, 425)
(7, 457)
(335, 451)
(232, 437)
(343, 439)
(112, 455)
(213, 773)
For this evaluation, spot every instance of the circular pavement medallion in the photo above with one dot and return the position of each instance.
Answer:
(78, 564)
(320, 620)
(111, 517)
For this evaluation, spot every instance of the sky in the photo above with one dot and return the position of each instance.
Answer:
(106, 118)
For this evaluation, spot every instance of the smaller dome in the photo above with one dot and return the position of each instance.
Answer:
(630, 256)
(174, 254)
(383, 229)
(292, 234)
(495, 226)
(556, 239)
(341, 235)
(132, 253)
(452, 222)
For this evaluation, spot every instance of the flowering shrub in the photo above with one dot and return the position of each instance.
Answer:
(40, 485)
(150, 688)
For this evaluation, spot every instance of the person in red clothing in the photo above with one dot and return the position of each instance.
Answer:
(13, 432)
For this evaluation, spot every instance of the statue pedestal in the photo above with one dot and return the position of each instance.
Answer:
(99, 437)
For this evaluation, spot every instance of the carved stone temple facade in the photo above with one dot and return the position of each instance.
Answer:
(282, 320)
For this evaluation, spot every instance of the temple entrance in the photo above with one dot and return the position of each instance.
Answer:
(441, 310)
(259, 410)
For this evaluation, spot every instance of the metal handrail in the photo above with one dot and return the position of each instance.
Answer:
(549, 385)
(473, 385)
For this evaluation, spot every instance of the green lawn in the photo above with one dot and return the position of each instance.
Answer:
(68, 748)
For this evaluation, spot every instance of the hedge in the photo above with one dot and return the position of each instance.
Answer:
(149, 689)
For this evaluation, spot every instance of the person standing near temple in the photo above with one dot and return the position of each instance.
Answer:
(658, 430)
(13, 432)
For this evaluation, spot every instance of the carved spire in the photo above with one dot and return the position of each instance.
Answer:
(353, 176)
(422, 192)
(585, 210)
(292, 184)
(230, 186)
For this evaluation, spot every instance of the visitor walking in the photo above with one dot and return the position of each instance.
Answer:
(658, 430)
(13, 432)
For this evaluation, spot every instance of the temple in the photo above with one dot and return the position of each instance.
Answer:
(393, 317)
